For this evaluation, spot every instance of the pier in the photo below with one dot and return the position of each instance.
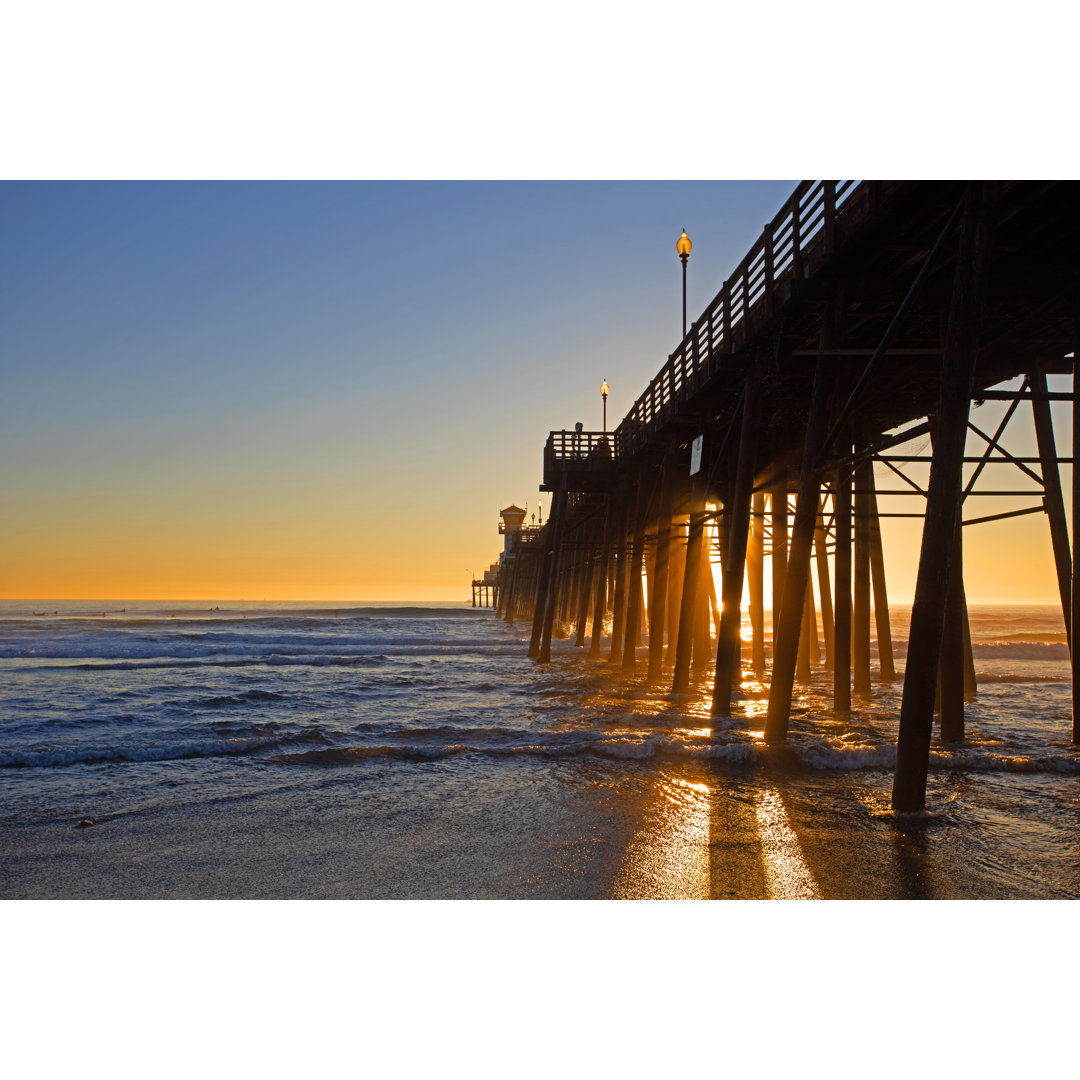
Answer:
(859, 330)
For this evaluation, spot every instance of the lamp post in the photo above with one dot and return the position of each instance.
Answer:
(604, 391)
(682, 246)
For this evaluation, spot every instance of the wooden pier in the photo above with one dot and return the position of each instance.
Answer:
(864, 322)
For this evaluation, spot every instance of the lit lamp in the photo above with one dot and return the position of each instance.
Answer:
(604, 391)
(682, 246)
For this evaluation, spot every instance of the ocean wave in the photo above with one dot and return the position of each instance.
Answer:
(1020, 650)
(276, 659)
(200, 748)
(1016, 677)
(117, 647)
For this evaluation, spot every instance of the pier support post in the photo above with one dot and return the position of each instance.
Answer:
(658, 595)
(558, 525)
(588, 571)
(632, 637)
(886, 665)
(797, 578)
(727, 639)
(1052, 500)
(702, 618)
(942, 507)
(778, 497)
(618, 603)
(809, 650)
(842, 602)
(1074, 608)
(691, 593)
(755, 574)
(540, 596)
(676, 577)
(860, 646)
(821, 554)
(952, 646)
(601, 574)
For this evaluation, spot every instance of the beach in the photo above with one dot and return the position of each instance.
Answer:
(414, 752)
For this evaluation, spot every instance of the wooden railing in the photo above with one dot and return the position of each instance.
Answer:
(591, 450)
(805, 226)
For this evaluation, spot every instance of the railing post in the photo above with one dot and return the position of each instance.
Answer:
(767, 245)
(796, 237)
(726, 301)
(828, 217)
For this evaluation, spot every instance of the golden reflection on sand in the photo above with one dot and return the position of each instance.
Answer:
(786, 873)
(668, 858)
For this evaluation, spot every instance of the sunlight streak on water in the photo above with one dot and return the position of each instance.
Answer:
(787, 875)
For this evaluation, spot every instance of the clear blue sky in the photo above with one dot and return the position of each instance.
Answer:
(342, 353)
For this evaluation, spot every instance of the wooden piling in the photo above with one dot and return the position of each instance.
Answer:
(727, 639)
(1052, 499)
(703, 650)
(632, 637)
(797, 578)
(618, 603)
(585, 592)
(755, 574)
(951, 686)
(695, 544)
(842, 592)
(658, 616)
(1074, 607)
(558, 526)
(860, 645)
(886, 663)
(600, 588)
(778, 500)
(942, 507)
(821, 555)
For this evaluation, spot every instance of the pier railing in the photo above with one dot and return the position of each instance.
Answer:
(582, 452)
(803, 231)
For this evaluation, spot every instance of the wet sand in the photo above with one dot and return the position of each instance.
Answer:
(563, 831)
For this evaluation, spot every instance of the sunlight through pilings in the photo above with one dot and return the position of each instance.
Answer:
(786, 873)
(668, 858)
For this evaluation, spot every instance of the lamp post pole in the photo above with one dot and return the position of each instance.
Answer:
(604, 391)
(682, 246)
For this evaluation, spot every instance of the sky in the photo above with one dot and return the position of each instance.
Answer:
(327, 391)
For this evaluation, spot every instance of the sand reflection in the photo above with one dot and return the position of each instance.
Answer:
(787, 876)
(668, 858)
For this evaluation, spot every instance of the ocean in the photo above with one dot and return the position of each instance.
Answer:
(259, 750)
